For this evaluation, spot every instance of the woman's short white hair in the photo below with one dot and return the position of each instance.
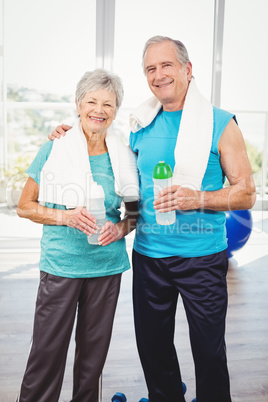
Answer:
(181, 51)
(100, 79)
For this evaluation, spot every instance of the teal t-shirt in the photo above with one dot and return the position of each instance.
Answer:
(195, 233)
(65, 251)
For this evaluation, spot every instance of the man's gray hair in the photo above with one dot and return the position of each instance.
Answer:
(100, 79)
(181, 51)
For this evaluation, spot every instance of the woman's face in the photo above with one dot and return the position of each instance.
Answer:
(97, 111)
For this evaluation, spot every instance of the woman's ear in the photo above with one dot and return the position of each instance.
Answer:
(77, 108)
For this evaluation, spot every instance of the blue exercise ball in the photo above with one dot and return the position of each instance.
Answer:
(238, 229)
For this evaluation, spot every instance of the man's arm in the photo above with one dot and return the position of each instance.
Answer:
(28, 207)
(111, 232)
(59, 131)
(241, 194)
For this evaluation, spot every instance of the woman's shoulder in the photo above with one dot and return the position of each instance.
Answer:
(46, 147)
(43, 153)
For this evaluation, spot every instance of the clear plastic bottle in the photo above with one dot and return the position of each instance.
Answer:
(95, 205)
(162, 177)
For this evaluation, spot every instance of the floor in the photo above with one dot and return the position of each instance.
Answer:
(247, 320)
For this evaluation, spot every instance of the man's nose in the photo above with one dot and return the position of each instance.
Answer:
(159, 74)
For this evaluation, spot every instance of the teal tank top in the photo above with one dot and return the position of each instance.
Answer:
(195, 233)
(65, 251)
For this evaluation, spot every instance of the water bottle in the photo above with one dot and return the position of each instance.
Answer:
(95, 205)
(162, 177)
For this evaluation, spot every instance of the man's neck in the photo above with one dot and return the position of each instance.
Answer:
(173, 107)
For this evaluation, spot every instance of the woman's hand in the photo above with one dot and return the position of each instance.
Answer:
(59, 132)
(109, 234)
(80, 218)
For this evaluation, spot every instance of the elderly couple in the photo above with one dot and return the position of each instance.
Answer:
(203, 145)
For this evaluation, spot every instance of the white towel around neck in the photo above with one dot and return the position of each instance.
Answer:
(194, 137)
(66, 176)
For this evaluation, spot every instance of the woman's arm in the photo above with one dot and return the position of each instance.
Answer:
(112, 232)
(29, 208)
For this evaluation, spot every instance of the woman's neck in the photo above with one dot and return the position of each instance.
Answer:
(96, 144)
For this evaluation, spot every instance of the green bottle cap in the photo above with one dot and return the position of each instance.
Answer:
(162, 171)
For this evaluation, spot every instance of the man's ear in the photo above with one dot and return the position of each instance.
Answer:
(189, 69)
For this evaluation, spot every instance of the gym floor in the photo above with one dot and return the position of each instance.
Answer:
(247, 319)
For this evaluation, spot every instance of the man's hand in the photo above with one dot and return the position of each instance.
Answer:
(80, 218)
(177, 197)
(109, 234)
(60, 131)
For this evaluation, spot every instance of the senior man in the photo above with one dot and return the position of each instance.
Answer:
(203, 145)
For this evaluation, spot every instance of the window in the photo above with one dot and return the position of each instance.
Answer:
(191, 22)
(244, 83)
(135, 22)
(48, 46)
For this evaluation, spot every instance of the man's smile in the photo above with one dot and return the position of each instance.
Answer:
(164, 85)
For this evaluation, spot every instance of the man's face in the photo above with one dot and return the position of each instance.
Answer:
(166, 77)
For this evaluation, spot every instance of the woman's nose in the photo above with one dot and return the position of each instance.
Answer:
(99, 107)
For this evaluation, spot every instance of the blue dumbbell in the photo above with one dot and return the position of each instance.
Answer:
(119, 397)
(184, 388)
(194, 400)
(144, 400)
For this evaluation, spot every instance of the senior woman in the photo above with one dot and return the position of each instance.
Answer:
(78, 278)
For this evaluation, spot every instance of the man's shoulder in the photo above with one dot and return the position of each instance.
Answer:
(221, 119)
(220, 113)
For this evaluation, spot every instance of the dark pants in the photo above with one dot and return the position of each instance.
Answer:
(201, 282)
(58, 300)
